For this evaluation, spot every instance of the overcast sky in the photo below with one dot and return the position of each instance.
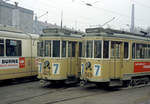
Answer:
(80, 16)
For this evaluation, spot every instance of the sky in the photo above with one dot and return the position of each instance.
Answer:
(77, 15)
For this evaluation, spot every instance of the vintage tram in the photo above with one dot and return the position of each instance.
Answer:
(115, 58)
(59, 52)
(18, 54)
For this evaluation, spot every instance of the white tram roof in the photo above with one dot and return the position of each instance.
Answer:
(116, 34)
(61, 32)
(11, 32)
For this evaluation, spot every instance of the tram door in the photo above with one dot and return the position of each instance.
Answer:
(72, 58)
(117, 59)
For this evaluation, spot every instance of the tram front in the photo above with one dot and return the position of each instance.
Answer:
(58, 60)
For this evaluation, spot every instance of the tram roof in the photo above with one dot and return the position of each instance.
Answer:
(61, 32)
(115, 33)
(11, 32)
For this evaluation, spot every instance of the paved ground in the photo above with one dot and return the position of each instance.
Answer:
(33, 93)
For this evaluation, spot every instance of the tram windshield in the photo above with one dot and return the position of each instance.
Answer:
(1, 47)
(89, 49)
(56, 48)
(47, 48)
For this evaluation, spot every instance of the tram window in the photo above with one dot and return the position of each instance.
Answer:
(83, 49)
(97, 48)
(71, 49)
(133, 50)
(1, 47)
(40, 48)
(139, 53)
(149, 51)
(106, 49)
(89, 49)
(80, 49)
(63, 48)
(115, 49)
(126, 50)
(13, 47)
(47, 48)
(56, 48)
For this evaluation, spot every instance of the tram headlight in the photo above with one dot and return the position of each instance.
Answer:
(88, 65)
(46, 64)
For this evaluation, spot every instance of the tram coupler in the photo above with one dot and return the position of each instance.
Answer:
(83, 83)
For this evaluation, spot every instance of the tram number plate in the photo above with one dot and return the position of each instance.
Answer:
(97, 70)
(82, 69)
(55, 68)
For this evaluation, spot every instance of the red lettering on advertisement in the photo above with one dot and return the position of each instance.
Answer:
(141, 67)
(21, 62)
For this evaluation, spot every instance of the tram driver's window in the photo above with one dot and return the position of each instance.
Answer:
(13, 48)
(89, 49)
(56, 48)
(47, 48)
(97, 48)
(1, 47)
(63, 48)
(106, 49)
(126, 50)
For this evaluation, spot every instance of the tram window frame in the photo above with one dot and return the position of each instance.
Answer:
(56, 48)
(47, 48)
(97, 48)
(64, 48)
(89, 49)
(106, 49)
(133, 50)
(72, 49)
(126, 50)
(1, 47)
(16, 47)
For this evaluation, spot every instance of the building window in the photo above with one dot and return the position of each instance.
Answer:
(13, 47)
(63, 48)
(47, 48)
(126, 50)
(106, 49)
(1, 47)
(97, 49)
(56, 48)
(89, 49)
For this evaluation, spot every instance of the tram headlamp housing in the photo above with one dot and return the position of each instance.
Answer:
(46, 64)
(88, 65)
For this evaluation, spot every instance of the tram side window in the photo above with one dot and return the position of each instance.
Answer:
(126, 50)
(47, 48)
(63, 48)
(89, 49)
(13, 47)
(133, 50)
(80, 49)
(106, 49)
(149, 51)
(97, 48)
(73, 49)
(40, 48)
(1, 47)
(83, 49)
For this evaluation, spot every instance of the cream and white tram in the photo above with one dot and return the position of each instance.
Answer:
(18, 54)
(59, 51)
(113, 58)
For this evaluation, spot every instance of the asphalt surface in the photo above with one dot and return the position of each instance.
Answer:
(33, 93)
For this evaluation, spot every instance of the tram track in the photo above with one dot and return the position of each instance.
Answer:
(45, 93)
